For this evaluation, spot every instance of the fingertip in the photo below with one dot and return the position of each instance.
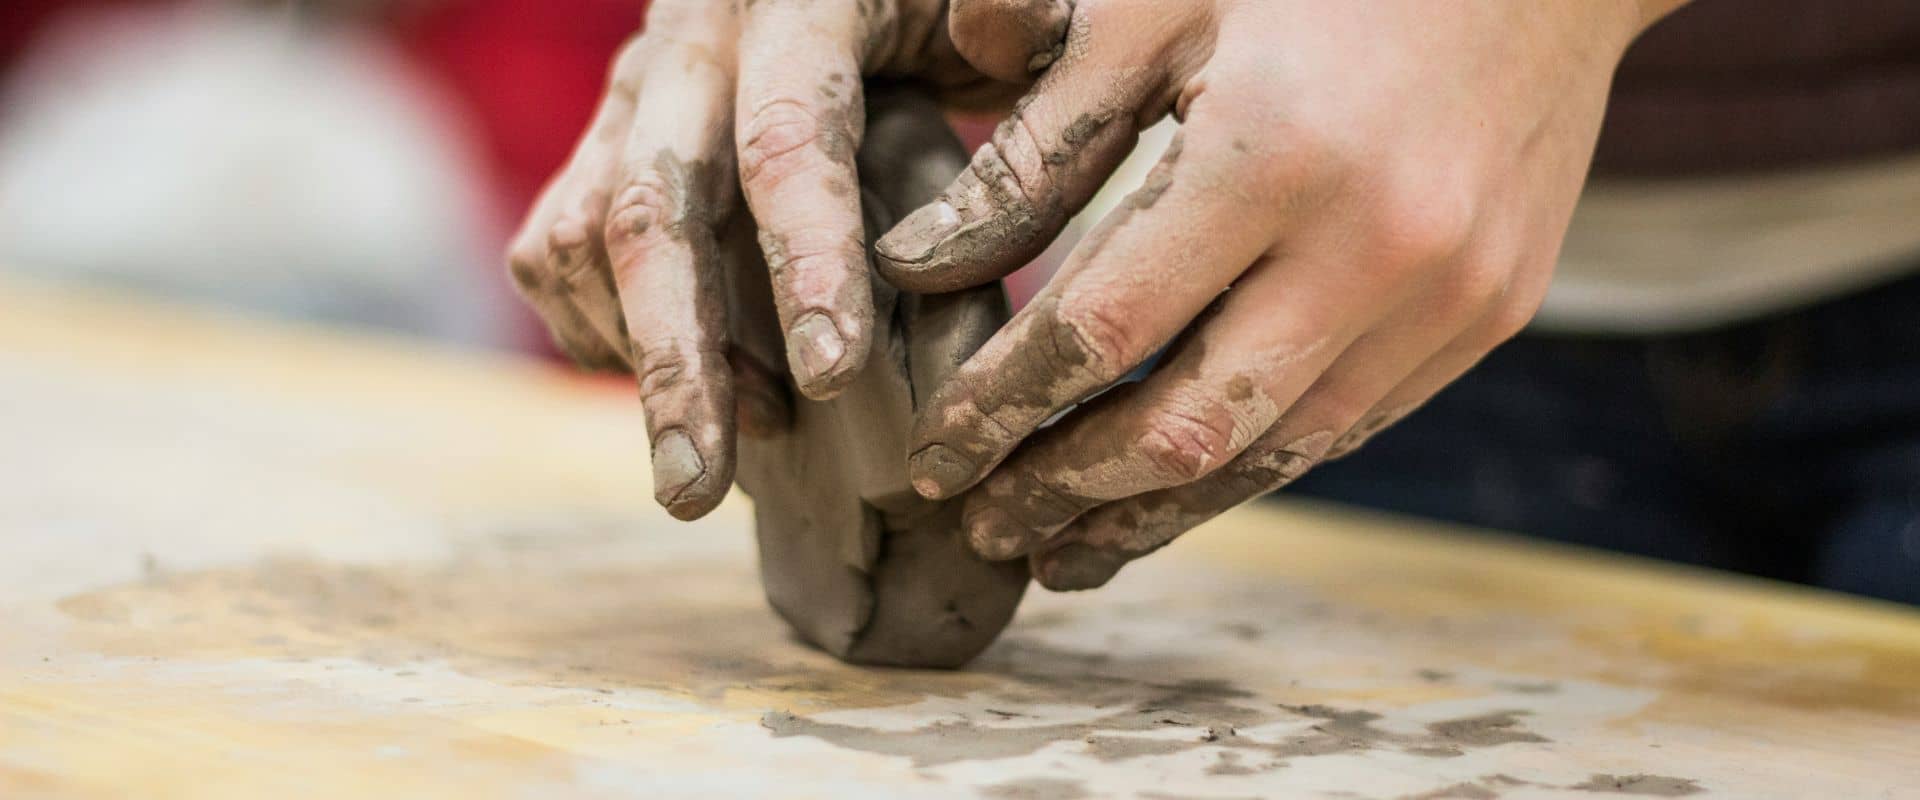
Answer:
(993, 533)
(911, 242)
(685, 483)
(1076, 567)
(939, 472)
(825, 355)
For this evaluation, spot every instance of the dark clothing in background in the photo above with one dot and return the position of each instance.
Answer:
(1736, 85)
(1787, 447)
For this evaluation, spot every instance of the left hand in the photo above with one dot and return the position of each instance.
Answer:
(622, 254)
(1363, 199)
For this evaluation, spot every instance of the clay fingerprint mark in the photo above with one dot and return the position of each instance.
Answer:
(566, 606)
(1204, 714)
(1036, 789)
(1644, 785)
(1493, 787)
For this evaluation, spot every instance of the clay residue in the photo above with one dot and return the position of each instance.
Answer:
(1491, 787)
(1645, 785)
(1035, 789)
(1232, 763)
(1167, 719)
(1458, 791)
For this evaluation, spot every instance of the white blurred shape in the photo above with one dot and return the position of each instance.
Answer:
(244, 158)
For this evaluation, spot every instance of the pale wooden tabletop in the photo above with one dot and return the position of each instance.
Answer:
(248, 560)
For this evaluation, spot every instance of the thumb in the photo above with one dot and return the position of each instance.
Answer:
(1009, 40)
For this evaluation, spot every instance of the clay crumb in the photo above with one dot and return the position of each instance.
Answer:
(1035, 789)
(1639, 784)
(1458, 791)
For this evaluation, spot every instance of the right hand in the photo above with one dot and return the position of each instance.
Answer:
(620, 256)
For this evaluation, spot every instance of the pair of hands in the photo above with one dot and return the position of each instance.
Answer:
(1363, 199)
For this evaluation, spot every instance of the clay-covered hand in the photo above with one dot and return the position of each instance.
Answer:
(1361, 201)
(619, 253)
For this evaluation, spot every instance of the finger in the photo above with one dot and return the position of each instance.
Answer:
(559, 241)
(584, 278)
(1504, 319)
(1102, 316)
(1367, 388)
(1009, 40)
(1042, 165)
(799, 121)
(535, 279)
(660, 238)
(1228, 381)
(1090, 553)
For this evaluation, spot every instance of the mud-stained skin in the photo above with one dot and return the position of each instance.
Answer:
(1367, 428)
(850, 556)
(1104, 456)
(1000, 398)
(685, 387)
(1003, 209)
(1134, 528)
(977, 428)
(1010, 39)
(1017, 192)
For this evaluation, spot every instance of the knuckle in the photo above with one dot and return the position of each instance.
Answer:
(661, 368)
(1041, 500)
(1091, 336)
(644, 204)
(1184, 446)
(667, 367)
(1302, 156)
(528, 266)
(1467, 290)
(810, 261)
(775, 142)
(1418, 227)
(1015, 141)
(623, 75)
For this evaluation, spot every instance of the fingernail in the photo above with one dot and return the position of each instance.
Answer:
(676, 465)
(916, 236)
(815, 346)
(995, 536)
(939, 472)
(1077, 567)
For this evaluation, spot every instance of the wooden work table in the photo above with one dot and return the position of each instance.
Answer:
(244, 559)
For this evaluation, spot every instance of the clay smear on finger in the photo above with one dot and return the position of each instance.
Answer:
(1018, 190)
(1029, 370)
(1138, 527)
(1369, 426)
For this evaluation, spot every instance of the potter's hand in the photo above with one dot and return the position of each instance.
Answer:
(1363, 199)
(619, 254)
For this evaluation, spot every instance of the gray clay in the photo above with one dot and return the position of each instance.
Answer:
(850, 555)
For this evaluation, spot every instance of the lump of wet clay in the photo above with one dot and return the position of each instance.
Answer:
(857, 562)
